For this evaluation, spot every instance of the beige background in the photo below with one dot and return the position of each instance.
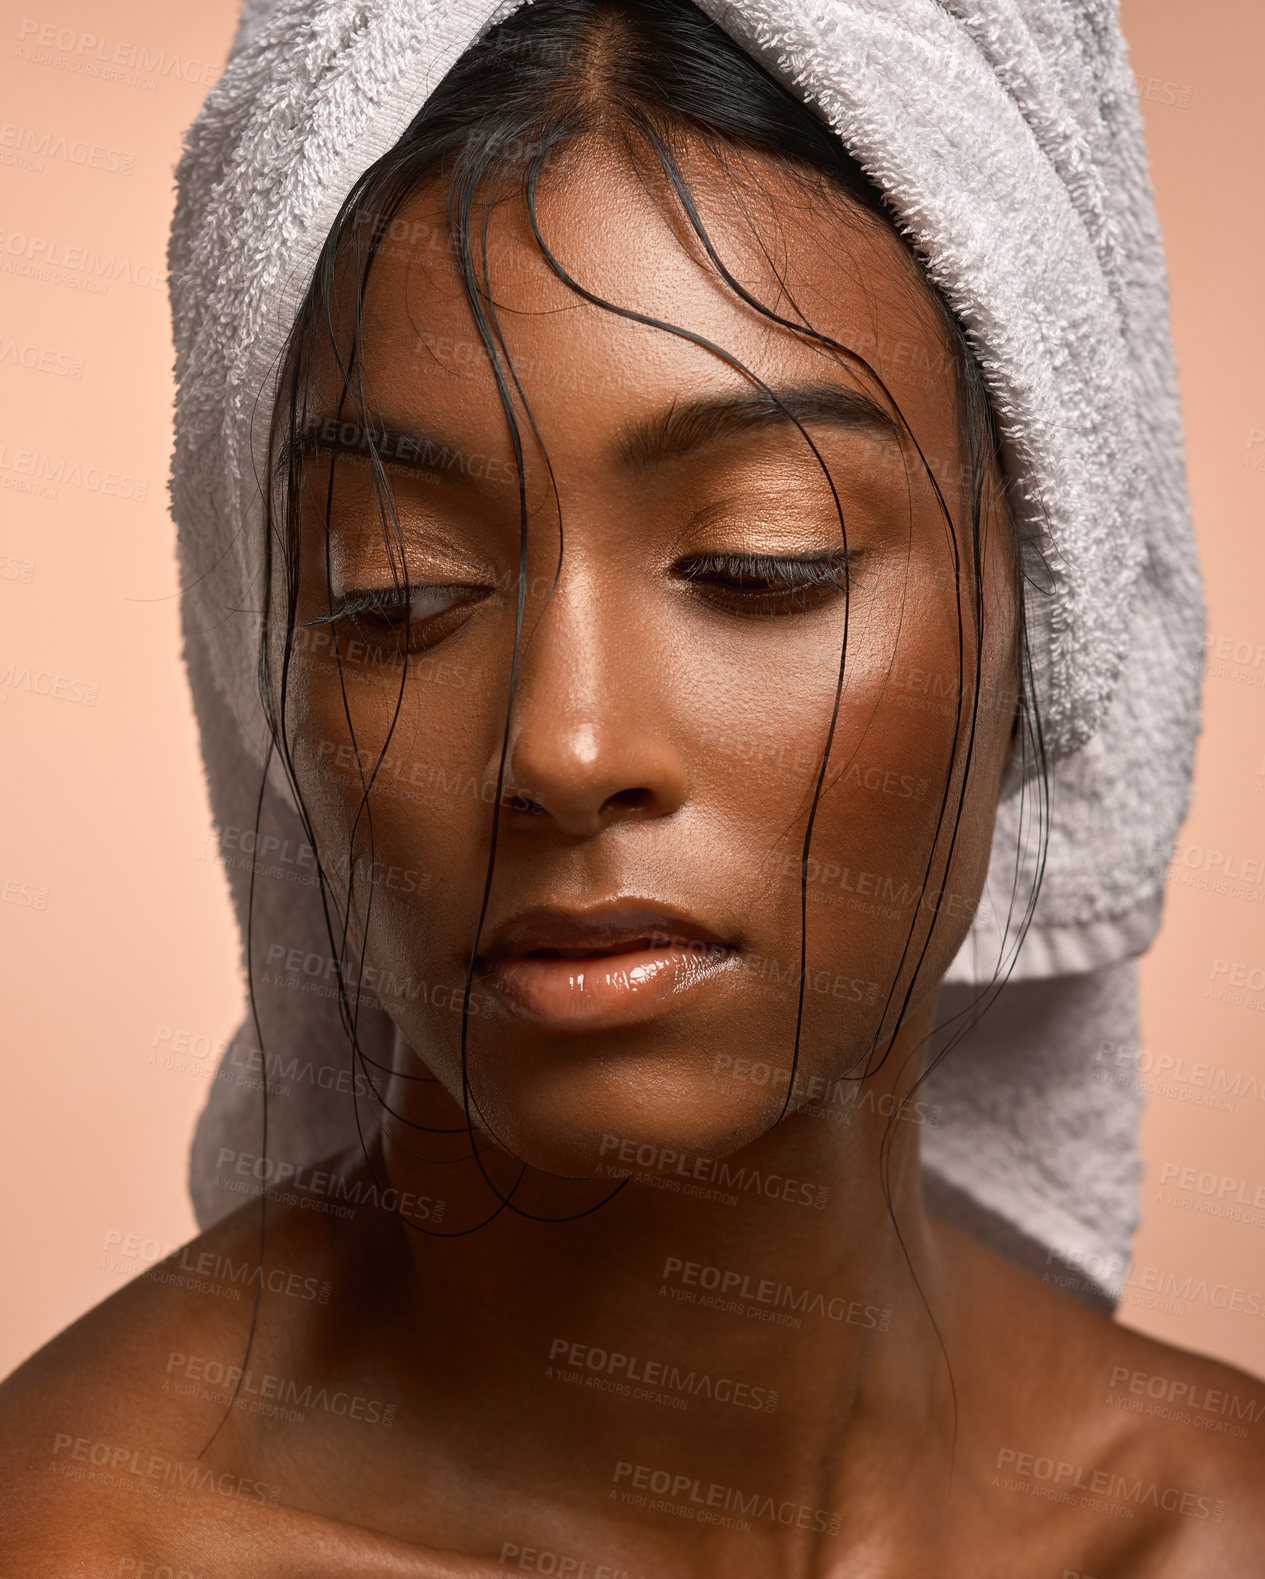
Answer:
(115, 930)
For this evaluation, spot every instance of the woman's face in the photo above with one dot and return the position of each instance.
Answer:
(686, 605)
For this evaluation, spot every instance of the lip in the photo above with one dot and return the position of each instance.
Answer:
(601, 967)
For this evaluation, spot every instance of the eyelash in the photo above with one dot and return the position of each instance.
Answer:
(384, 599)
(751, 585)
(770, 584)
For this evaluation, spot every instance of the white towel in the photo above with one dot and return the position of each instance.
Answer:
(1007, 138)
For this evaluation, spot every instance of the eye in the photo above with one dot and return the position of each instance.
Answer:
(768, 585)
(382, 624)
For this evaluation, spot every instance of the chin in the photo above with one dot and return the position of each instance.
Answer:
(604, 1116)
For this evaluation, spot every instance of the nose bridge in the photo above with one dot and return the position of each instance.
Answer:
(591, 727)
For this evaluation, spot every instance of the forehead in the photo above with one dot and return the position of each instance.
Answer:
(611, 224)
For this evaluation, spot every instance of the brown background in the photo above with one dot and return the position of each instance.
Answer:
(115, 930)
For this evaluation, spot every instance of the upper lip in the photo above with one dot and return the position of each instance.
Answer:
(609, 928)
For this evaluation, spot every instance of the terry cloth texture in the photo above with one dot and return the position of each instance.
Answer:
(1006, 137)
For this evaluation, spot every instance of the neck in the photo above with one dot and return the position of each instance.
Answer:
(714, 1320)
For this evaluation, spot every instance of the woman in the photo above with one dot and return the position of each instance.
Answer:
(662, 633)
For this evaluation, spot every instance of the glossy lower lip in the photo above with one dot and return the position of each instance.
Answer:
(601, 992)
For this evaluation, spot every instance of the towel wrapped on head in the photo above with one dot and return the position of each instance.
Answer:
(1006, 139)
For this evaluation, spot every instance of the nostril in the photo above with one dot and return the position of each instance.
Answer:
(628, 800)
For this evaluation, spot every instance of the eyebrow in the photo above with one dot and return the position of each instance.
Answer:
(692, 425)
(394, 445)
(684, 428)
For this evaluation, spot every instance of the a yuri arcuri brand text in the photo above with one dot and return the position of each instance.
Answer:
(117, 1463)
(820, 1097)
(1159, 1288)
(42, 682)
(1219, 1194)
(1178, 1076)
(40, 359)
(209, 1270)
(324, 975)
(319, 1186)
(517, 1558)
(53, 261)
(1189, 1403)
(717, 1172)
(742, 1294)
(55, 43)
(1124, 1490)
(33, 471)
(282, 1393)
(688, 1492)
(238, 1063)
(874, 893)
(37, 143)
(652, 1380)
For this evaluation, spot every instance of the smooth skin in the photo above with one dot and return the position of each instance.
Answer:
(664, 741)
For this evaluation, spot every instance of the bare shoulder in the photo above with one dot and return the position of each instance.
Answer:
(1146, 1459)
(105, 1467)
(1192, 1428)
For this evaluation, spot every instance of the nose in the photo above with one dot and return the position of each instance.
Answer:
(591, 736)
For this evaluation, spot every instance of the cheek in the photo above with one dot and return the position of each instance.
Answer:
(407, 771)
(877, 879)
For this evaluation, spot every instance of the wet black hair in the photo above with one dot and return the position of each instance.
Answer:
(668, 81)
